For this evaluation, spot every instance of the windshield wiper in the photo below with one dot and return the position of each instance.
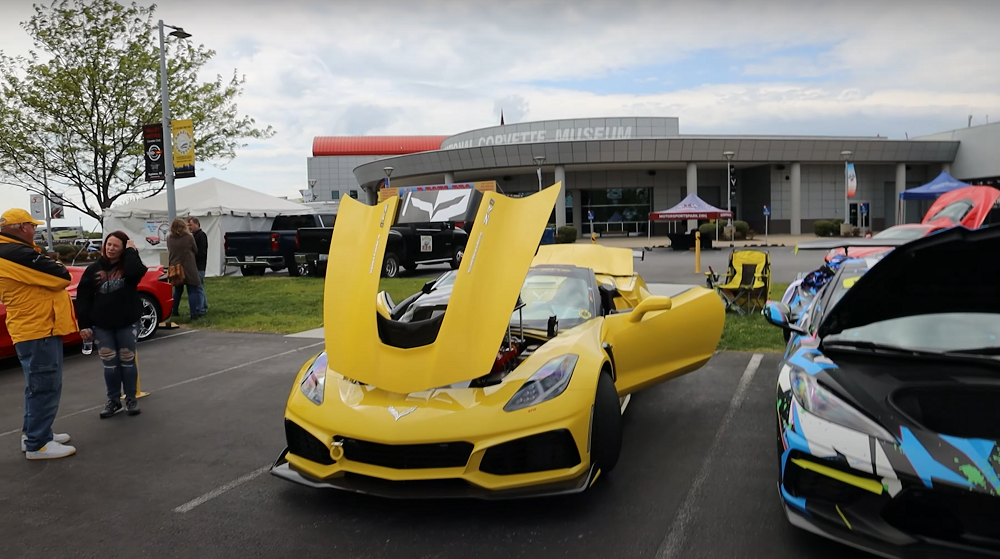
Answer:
(860, 344)
(990, 350)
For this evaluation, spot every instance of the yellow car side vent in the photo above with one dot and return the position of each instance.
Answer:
(857, 481)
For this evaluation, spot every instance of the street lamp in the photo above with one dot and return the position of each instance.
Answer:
(729, 196)
(846, 156)
(312, 193)
(539, 159)
(168, 150)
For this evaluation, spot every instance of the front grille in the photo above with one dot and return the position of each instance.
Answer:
(953, 515)
(812, 485)
(302, 443)
(407, 456)
(553, 450)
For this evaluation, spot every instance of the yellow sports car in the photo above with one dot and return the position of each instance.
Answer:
(504, 378)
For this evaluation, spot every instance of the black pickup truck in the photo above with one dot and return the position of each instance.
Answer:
(409, 246)
(256, 251)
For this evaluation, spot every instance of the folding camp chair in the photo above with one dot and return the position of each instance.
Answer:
(747, 283)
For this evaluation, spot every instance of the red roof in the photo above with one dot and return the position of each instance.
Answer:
(374, 145)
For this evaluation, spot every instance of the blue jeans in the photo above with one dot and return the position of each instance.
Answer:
(116, 349)
(196, 299)
(42, 362)
(204, 295)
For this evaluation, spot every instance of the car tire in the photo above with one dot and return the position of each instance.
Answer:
(390, 265)
(607, 429)
(456, 259)
(149, 320)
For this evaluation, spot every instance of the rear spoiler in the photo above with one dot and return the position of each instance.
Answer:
(851, 242)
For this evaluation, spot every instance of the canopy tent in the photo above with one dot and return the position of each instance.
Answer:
(220, 206)
(943, 183)
(691, 207)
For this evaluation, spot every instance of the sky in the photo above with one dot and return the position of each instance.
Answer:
(439, 67)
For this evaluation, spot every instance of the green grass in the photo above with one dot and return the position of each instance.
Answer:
(273, 304)
(287, 305)
(752, 332)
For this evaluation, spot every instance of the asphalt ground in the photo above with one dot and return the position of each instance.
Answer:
(187, 478)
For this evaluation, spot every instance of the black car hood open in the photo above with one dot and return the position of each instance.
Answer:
(956, 270)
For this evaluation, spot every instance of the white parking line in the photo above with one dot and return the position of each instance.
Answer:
(233, 368)
(220, 490)
(670, 548)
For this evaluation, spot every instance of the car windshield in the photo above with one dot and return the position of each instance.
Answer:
(844, 281)
(565, 292)
(901, 233)
(955, 212)
(931, 332)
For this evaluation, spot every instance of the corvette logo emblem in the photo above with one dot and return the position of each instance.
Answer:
(398, 414)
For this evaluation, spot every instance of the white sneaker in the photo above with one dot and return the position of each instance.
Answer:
(61, 438)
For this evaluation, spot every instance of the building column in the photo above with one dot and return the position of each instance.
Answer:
(900, 187)
(692, 188)
(371, 193)
(946, 167)
(561, 198)
(796, 201)
(578, 210)
(449, 178)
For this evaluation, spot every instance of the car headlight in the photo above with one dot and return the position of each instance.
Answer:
(825, 404)
(314, 381)
(547, 383)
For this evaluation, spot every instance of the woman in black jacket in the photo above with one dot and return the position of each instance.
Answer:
(109, 309)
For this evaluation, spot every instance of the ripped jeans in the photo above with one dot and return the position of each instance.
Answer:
(116, 349)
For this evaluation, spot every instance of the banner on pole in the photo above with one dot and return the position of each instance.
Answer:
(852, 181)
(37, 206)
(56, 206)
(182, 141)
(152, 141)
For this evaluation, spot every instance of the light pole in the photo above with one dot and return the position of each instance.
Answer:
(846, 156)
(729, 196)
(312, 193)
(168, 150)
(539, 159)
(388, 173)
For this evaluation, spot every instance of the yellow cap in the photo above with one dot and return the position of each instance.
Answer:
(17, 215)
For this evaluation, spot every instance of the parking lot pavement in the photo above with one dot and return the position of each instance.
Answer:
(187, 478)
(669, 266)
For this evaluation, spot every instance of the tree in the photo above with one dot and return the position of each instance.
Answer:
(78, 112)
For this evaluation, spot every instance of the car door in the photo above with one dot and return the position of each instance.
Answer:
(652, 347)
(434, 242)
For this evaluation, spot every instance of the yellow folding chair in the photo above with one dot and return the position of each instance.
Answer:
(748, 281)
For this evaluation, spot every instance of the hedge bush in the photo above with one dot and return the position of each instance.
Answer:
(566, 234)
(827, 227)
(707, 230)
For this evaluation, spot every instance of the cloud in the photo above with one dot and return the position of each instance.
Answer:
(445, 66)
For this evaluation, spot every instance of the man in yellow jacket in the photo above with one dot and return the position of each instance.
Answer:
(39, 313)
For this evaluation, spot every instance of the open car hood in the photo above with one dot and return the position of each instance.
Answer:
(954, 270)
(459, 345)
(971, 205)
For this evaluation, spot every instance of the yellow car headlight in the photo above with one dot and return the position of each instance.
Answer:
(548, 382)
(314, 382)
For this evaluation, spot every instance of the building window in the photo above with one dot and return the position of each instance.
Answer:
(354, 194)
(617, 209)
(335, 194)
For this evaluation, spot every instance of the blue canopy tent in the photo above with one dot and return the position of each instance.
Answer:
(930, 191)
(941, 184)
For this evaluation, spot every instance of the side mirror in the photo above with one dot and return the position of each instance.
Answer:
(650, 304)
(777, 313)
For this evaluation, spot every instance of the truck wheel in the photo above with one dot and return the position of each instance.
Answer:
(390, 265)
(247, 271)
(456, 260)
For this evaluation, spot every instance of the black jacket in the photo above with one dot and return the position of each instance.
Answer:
(115, 303)
(201, 242)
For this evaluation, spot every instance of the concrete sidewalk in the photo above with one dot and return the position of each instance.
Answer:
(660, 242)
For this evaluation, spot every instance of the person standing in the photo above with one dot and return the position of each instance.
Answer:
(200, 259)
(183, 271)
(39, 313)
(109, 311)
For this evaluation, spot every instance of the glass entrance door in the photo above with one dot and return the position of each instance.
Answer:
(859, 213)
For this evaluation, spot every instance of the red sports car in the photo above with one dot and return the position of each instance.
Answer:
(967, 207)
(157, 304)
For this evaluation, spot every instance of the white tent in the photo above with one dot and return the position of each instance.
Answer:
(220, 206)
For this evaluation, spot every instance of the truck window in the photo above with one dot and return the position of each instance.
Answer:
(293, 222)
(328, 219)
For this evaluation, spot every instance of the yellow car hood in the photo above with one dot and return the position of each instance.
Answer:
(500, 249)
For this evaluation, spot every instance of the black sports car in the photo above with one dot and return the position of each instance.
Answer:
(888, 401)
